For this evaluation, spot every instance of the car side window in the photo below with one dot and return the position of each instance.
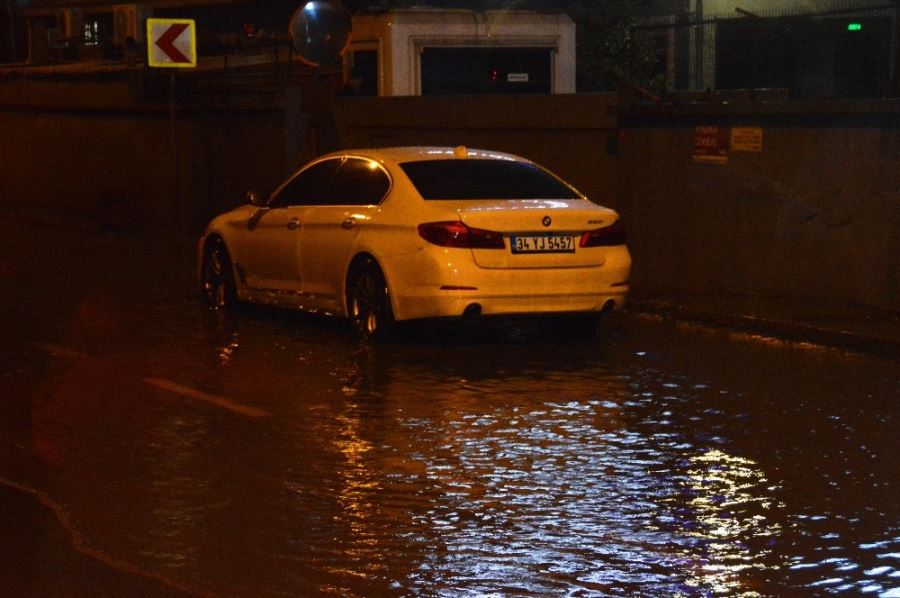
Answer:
(311, 187)
(359, 182)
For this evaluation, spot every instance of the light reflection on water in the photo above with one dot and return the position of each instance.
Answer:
(732, 508)
(619, 485)
(560, 496)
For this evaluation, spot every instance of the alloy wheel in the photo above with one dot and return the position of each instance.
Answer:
(370, 305)
(218, 280)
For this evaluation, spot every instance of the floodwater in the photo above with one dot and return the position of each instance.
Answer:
(264, 453)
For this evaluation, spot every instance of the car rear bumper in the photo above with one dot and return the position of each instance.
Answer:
(429, 286)
(436, 306)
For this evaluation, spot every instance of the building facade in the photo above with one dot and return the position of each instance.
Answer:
(810, 49)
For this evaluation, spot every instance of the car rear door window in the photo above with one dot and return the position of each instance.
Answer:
(484, 179)
(359, 182)
(311, 186)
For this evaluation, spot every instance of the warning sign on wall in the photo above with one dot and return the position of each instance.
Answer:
(711, 145)
(746, 139)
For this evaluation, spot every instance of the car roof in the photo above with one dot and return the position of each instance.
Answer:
(402, 154)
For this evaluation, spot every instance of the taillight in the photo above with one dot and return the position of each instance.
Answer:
(457, 234)
(614, 234)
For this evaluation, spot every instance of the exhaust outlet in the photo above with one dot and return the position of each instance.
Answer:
(473, 310)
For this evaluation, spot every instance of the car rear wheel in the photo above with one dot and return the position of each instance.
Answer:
(369, 301)
(217, 282)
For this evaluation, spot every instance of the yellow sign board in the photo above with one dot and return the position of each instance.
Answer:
(747, 139)
(171, 43)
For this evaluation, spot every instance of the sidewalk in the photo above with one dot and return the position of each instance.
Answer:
(827, 323)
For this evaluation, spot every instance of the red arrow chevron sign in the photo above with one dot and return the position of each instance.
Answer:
(171, 43)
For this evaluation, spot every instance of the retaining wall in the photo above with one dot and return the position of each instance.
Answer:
(91, 147)
(814, 213)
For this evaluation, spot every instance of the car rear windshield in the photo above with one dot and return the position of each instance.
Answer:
(484, 179)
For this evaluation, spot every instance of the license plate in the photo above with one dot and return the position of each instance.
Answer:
(542, 244)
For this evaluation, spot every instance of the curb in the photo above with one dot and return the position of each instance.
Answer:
(789, 331)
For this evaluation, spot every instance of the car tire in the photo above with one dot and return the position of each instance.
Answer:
(369, 301)
(217, 276)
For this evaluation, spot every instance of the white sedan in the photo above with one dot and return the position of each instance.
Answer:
(385, 235)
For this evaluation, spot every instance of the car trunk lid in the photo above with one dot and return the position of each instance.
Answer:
(538, 233)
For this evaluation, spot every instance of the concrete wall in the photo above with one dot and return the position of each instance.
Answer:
(120, 167)
(115, 162)
(816, 213)
(567, 133)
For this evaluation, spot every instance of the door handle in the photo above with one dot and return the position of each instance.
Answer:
(293, 223)
(348, 223)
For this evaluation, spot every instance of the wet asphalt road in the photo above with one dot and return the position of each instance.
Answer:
(151, 447)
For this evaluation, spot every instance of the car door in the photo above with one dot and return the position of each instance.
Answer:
(330, 230)
(272, 262)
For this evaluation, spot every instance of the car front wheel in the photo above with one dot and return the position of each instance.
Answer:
(369, 301)
(217, 276)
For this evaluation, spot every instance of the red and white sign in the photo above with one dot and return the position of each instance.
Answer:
(711, 145)
(171, 43)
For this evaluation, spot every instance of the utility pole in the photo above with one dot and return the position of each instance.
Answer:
(699, 82)
(10, 7)
(894, 84)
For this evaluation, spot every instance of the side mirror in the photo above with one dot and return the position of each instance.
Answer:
(258, 198)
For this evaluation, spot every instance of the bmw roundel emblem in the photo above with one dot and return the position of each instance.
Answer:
(547, 221)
